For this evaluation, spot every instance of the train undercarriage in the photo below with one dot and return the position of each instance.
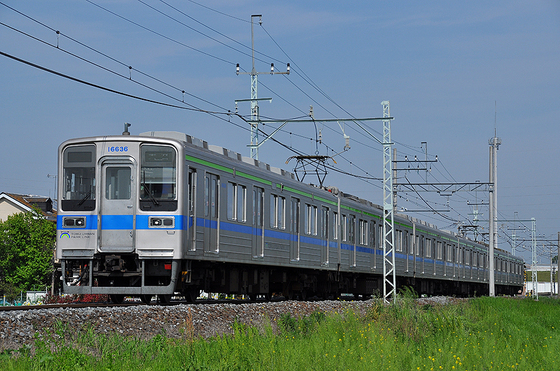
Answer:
(125, 274)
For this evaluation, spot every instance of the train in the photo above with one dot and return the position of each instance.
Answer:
(164, 214)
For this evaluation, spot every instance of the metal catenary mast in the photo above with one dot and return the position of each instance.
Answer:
(254, 148)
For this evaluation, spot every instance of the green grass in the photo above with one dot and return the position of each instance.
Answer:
(481, 334)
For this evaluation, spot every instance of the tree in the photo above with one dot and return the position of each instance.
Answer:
(26, 252)
(555, 259)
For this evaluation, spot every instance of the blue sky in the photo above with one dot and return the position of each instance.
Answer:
(453, 72)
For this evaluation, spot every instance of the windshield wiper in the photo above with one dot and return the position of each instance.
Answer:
(85, 198)
(149, 192)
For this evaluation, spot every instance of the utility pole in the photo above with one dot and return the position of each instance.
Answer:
(254, 95)
(493, 218)
(534, 258)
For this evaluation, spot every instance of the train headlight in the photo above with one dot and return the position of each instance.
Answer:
(73, 222)
(162, 222)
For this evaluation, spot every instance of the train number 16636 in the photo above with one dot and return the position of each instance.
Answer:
(117, 149)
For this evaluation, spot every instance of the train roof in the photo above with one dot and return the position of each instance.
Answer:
(182, 137)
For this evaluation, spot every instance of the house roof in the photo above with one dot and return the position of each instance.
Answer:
(27, 202)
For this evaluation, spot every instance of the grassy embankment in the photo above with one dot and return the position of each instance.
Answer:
(481, 334)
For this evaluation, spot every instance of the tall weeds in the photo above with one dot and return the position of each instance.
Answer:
(479, 334)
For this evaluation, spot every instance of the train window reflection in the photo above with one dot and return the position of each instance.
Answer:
(158, 175)
(78, 187)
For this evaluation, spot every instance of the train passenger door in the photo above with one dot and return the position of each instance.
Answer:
(118, 193)
(294, 220)
(211, 213)
(258, 222)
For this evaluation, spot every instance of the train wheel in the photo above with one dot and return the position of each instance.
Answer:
(117, 298)
(146, 299)
(164, 299)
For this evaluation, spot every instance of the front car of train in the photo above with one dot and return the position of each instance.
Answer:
(120, 222)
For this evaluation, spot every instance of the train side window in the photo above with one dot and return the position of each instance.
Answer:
(439, 254)
(241, 203)
(380, 236)
(206, 195)
(211, 184)
(236, 209)
(428, 249)
(214, 198)
(335, 226)
(352, 229)
(295, 216)
(231, 201)
(309, 218)
(365, 233)
(192, 190)
(399, 241)
(258, 206)
(277, 212)
(344, 228)
(325, 221)
(372, 234)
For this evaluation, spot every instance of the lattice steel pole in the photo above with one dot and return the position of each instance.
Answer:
(254, 145)
(389, 273)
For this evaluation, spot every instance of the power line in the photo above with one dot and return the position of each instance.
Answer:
(109, 89)
(159, 34)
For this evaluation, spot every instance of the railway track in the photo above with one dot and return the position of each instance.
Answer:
(22, 326)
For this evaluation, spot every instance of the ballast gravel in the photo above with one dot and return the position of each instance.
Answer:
(21, 327)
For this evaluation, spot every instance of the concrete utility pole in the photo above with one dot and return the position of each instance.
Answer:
(493, 217)
(254, 96)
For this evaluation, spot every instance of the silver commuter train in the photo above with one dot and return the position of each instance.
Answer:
(164, 212)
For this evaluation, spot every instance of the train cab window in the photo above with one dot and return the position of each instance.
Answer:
(79, 180)
(158, 178)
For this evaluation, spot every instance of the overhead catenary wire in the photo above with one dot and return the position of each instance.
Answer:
(303, 75)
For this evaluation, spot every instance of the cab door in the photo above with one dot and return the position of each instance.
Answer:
(117, 211)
